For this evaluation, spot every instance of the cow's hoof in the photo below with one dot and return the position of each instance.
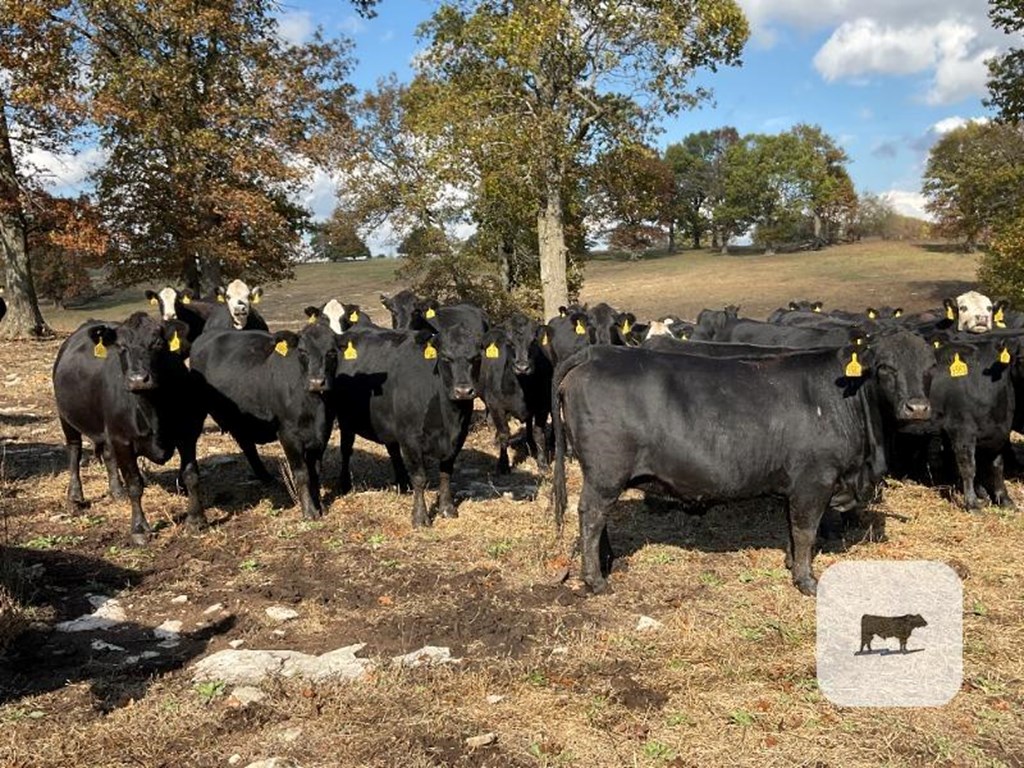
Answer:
(449, 512)
(974, 504)
(77, 506)
(312, 514)
(807, 586)
(599, 586)
(197, 522)
(141, 539)
(1003, 500)
(421, 521)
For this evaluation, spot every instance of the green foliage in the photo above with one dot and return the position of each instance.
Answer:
(210, 690)
(974, 180)
(338, 239)
(1001, 271)
(698, 169)
(1006, 71)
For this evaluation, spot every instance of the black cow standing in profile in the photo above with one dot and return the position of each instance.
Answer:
(809, 426)
(126, 388)
(888, 626)
(413, 392)
(262, 387)
(401, 305)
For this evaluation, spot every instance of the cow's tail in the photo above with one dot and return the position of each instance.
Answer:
(558, 491)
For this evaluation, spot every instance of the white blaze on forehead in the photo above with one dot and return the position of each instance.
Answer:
(236, 296)
(167, 297)
(333, 310)
(974, 312)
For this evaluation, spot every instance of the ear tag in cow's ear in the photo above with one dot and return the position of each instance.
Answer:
(281, 348)
(429, 352)
(949, 314)
(872, 314)
(544, 339)
(220, 297)
(999, 319)
(859, 341)
(561, 312)
(154, 301)
(492, 351)
(311, 320)
(626, 326)
(816, 309)
(898, 313)
(1004, 356)
(936, 343)
(958, 367)
(350, 352)
(255, 299)
(186, 300)
(99, 350)
(175, 342)
(430, 313)
(581, 330)
(854, 370)
(354, 317)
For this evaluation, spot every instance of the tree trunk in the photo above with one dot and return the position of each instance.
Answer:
(23, 316)
(696, 238)
(505, 266)
(671, 237)
(210, 276)
(192, 281)
(553, 253)
(714, 238)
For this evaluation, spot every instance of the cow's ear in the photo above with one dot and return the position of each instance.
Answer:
(817, 306)
(312, 314)
(793, 306)
(543, 335)
(102, 336)
(856, 361)
(175, 332)
(999, 313)
(284, 342)
(951, 309)
(681, 330)
(563, 311)
(898, 312)
(429, 343)
(152, 296)
(351, 312)
(872, 313)
(955, 359)
(732, 310)
(187, 293)
(221, 292)
(492, 343)
(255, 295)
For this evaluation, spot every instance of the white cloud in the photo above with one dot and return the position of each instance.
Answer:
(295, 27)
(952, 123)
(907, 203)
(66, 173)
(352, 25)
(320, 194)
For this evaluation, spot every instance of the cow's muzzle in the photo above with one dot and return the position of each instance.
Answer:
(916, 409)
(463, 393)
(523, 368)
(138, 382)
(317, 384)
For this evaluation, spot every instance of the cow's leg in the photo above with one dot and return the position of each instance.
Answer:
(1000, 495)
(189, 477)
(594, 543)
(537, 441)
(398, 465)
(414, 460)
(501, 436)
(445, 503)
(300, 469)
(346, 442)
(806, 507)
(128, 463)
(73, 441)
(115, 488)
(963, 449)
(252, 456)
(313, 458)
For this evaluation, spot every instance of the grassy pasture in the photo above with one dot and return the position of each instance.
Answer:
(729, 680)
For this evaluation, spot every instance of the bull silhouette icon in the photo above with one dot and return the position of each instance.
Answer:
(885, 627)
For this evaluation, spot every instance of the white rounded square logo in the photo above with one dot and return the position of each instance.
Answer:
(890, 633)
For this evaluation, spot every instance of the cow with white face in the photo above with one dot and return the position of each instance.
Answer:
(972, 312)
(182, 305)
(238, 311)
(165, 299)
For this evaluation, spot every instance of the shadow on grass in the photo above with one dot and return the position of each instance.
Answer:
(119, 662)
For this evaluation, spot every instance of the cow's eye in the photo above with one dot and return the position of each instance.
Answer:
(990, 308)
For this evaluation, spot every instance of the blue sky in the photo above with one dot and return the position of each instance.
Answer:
(883, 77)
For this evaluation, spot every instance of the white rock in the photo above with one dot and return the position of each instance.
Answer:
(215, 608)
(108, 613)
(179, 599)
(279, 633)
(101, 645)
(273, 762)
(169, 630)
(248, 694)
(236, 644)
(560, 650)
(280, 613)
(291, 735)
(495, 698)
(647, 624)
(482, 740)
(428, 655)
(244, 667)
(235, 759)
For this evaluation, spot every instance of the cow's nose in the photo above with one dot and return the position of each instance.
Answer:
(317, 384)
(464, 393)
(917, 409)
(136, 381)
(523, 368)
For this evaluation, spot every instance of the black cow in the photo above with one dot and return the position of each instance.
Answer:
(261, 387)
(411, 391)
(795, 306)
(3, 307)
(711, 321)
(745, 331)
(182, 305)
(401, 306)
(236, 310)
(609, 326)
(566, 334)
(339, 317)
(123, 387)
(515, 380)
(809, 426)
(889, 626)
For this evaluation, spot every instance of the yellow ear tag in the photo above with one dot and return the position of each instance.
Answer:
(949, 314)
(898, 313)
(311, 319)
(430, 313)
(99, 350)
(998, 316)
(186, 300)
(581, 329)
(561, 313)
(854, 370)
(492, 351)
(958, 367)
(626, 326)
(354, 317)
(175, 343)
(350, 352)
(859, 341)
(281, 348)
(154, 301)
(816, 309)
(936, 343)
(429, 352)
(220, 298)
(1004, 356)
(255, 299)
(544, 339)
(872, 314)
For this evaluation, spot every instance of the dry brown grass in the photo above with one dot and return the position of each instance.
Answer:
(730, 680)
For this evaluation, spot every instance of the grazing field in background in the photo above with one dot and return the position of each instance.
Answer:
(728, 679)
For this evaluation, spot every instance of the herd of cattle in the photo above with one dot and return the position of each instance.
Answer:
(811, 406)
